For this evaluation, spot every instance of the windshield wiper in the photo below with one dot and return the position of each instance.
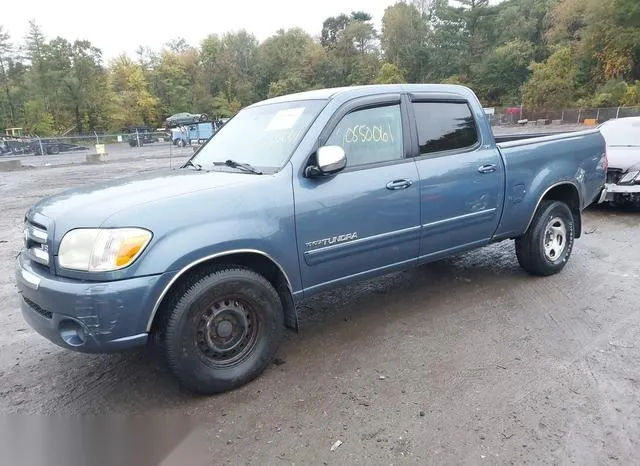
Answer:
(241, 166)
(198, 167)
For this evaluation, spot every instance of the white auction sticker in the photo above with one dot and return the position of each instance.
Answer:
(285, 119)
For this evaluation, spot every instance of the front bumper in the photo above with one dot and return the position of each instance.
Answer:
(610, 190)
(89, 317)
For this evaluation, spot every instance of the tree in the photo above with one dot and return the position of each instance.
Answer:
(404, 40)
(553, 82)
(568, 18)
(390, 74)
(473, 13)
(35, 48)
(331, 29)
(499, 77)
(628, 18)
(350, 42)
(281, 60)
(86, 84)
(175, 75)
(133, 102)
(38, 120)
(448, 49)
(236, 63)
(6, 57)
(462, 33)
(525, 20)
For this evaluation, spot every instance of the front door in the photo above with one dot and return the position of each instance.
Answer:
(461, 178)
(365, 219)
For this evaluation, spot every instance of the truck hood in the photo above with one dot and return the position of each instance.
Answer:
(623, 158)
(91, 205)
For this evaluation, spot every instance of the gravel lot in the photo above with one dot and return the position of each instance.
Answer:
(466, 361)
(120, 152)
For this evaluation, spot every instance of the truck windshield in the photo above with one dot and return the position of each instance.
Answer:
(263, 136)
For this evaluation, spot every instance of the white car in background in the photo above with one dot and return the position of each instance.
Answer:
(622, 137)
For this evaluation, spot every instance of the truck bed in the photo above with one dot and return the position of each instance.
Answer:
(500, 138)
(538, 163)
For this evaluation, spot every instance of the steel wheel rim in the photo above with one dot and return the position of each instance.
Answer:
(227, 332)
(555, 239)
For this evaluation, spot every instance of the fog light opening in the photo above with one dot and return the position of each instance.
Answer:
(72, 333)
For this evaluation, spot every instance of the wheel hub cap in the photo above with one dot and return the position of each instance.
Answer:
(226, 331)
(555, 239)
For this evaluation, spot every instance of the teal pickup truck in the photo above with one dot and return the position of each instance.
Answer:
(292, 196)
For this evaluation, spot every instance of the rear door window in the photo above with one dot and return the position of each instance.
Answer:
(445, 126)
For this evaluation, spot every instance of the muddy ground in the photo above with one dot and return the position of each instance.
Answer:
(466, 361)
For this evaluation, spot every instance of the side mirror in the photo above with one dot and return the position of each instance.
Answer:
(330, 160)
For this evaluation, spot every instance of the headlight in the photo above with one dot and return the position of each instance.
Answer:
(102, 250)
(629, 177)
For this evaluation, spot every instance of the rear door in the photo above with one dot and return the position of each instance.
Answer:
(461, 176)
(365, 219)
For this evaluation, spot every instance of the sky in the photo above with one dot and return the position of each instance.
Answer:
(118, 26)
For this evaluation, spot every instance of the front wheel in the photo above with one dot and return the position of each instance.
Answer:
(546, 246)
(222, 330)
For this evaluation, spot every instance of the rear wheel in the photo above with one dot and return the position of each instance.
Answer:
(546, 247)
(222, 330)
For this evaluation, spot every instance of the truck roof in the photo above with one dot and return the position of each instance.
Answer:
(350, 92)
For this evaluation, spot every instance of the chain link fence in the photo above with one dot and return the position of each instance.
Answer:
(177, 143)
(590, 116)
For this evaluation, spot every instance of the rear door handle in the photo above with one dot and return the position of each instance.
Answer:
(487, 169)
(399, 184)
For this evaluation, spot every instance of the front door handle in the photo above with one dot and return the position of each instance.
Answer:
(487, 169)
(399, 184)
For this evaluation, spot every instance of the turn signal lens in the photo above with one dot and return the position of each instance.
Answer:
(130, 248)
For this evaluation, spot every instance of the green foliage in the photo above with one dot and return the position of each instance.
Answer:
(390, 74)
(41, 122)
(553, 82)
(499, 77)
(610, 94)
(632, 96)
(613, 93)
(405, 35)
(133, 102)
(545, 53)
(7, 103)
(281, 61)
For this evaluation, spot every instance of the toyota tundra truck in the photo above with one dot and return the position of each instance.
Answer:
(293, 196)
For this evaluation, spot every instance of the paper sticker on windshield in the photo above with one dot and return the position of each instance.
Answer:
(285, 119)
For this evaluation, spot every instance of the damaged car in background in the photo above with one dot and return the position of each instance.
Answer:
(622, 137)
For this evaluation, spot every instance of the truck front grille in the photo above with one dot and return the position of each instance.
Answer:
(36, 242)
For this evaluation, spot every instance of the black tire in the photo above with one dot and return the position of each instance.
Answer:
(530, 248)
(222, 295)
